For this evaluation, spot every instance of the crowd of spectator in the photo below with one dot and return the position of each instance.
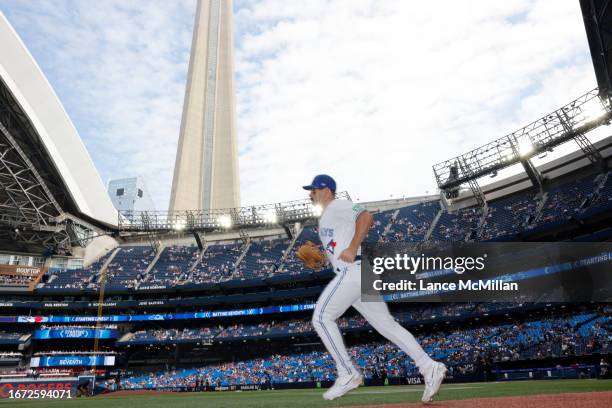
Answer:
(564, 340)
(127, 269)
(458, 226)
(412, 223)
(15, 280)
(183, 265)
(566, 201)
(262, 258)
(508, 216)
(41, 372)
(173, 265)
(217, 264)
(293, 326)
(411, 316)
(241, 330)
(10, 335)
(76, 278)
(578, 334)
(175, 334)
(602, 198)
(70, 279)
(381, 223)
(291, 264)
(10, 355)
(74, 352)
(77, 326)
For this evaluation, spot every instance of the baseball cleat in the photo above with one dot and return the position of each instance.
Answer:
(343, 385)
(433, 379)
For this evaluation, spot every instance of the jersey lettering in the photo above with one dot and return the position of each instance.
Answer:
(326, 232)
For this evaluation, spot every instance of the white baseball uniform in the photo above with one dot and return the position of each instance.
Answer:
(336, 230)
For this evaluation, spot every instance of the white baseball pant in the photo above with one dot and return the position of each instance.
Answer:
(343, 292)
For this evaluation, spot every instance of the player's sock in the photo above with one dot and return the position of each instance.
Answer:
(424, 363)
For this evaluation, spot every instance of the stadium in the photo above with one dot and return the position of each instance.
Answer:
(189, 307)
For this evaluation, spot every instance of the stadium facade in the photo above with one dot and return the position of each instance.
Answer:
(206, 168)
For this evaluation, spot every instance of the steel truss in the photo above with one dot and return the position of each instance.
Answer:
(27, 208)
(572, 121)
(474, 186)
(237, 219)
(30, 216)
(597, 16)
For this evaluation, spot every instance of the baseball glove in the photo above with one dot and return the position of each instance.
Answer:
(311, 256)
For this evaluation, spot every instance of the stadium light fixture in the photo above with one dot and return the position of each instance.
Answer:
(179, 224)
(225, 221)
(549, 131)
(270, 216)
(525, 147)
(207, 220)
(591, 113)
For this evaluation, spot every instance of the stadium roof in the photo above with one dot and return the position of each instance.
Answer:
(47, 169)
(597, 17)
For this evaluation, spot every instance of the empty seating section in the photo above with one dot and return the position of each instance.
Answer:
(262, 258)
(292, 264)
(173, 265)
(413, 222)
(351, 321)
(457, 226)
(602, 199)
(128, 267)
(381, 221)
(78, 278)
(508, 216)
(546, 337)
(564, 202)
(240, 330)
(10, 337)
(186, 333)
(217, 264)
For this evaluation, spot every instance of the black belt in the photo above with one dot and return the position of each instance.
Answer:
(357, 258)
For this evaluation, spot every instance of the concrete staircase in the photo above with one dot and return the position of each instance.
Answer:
(106, 263)
(433, 225)
(289, 248)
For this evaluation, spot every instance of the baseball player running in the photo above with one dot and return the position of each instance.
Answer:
(342, 227)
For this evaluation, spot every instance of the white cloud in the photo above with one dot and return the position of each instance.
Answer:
(119, 68)
(376, 92)
(372, 92)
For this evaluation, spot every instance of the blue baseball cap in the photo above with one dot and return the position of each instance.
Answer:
(322, 181)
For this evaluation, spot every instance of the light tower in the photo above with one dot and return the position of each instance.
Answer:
(206, 168)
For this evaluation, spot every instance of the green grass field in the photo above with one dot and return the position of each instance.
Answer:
(312, 397)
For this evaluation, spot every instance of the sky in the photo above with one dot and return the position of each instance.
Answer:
(372, 92)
